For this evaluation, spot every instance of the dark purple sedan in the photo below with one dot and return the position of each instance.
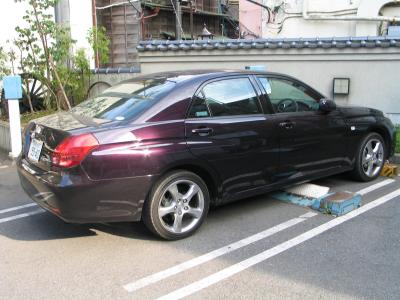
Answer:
(162, 148)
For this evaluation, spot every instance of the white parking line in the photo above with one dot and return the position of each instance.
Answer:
(24, 215)
(245, 264)
(148, 280)
(375, 186)
(17, 208)
(216, 253)
(3, 167)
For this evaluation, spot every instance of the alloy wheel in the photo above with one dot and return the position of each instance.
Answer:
(372, 157)
(181, 206)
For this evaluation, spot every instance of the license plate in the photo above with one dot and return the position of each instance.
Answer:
(34, 150)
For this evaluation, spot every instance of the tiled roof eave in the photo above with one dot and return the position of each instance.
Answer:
(285, 43)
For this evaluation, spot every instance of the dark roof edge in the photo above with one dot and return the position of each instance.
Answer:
(122, 70)
(272, 43)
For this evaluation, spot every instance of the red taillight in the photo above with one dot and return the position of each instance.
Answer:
(73, 150)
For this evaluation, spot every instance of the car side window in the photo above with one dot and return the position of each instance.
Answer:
(289, 96)
(199, 108)
(227, 97)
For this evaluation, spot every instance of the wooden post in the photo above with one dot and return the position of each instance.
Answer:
(191, 20)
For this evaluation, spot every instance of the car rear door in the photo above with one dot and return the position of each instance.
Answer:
(226, 128)
(312, 143)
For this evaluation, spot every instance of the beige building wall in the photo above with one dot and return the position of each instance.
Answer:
(286, 17)
(374, 73)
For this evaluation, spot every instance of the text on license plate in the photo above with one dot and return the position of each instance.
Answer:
(34, 150)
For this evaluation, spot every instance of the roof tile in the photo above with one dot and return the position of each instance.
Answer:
(287, 43)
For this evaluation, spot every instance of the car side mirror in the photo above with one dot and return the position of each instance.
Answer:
(327, 105)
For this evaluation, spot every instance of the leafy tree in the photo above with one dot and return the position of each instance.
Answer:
(45, 52)
(24, 64)
(4, 70)
(100, 43)
(12, 59)
(79, 76)
(44, 45)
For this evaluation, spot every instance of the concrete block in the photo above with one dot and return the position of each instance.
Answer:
(338, 204)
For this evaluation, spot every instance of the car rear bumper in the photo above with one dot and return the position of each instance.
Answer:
(76, 199)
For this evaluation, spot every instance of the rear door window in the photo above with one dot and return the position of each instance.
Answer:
(227, 97)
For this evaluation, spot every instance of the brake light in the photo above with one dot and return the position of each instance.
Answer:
(73, 150)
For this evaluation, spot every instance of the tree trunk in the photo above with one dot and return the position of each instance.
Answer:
(50, 63)
(61, 87)
(28, 95)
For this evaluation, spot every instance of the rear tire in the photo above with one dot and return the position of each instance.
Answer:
(370, 158)
(177, 205)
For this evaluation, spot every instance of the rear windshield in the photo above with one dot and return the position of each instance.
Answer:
(125, 101)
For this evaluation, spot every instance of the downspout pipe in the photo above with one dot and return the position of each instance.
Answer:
(306, 16)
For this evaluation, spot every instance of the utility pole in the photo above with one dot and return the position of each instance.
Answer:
(62, 13)
(191, 20)
(62, 17)
(178, 20)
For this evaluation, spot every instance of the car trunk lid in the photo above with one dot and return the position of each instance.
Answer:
(45, 134)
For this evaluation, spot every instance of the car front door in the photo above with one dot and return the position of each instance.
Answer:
(312, 143)
(226, 128)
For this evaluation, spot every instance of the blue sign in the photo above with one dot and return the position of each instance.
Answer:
(256, 68)
(12, 86)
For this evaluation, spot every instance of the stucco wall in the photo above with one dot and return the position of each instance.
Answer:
(286, 19)
(250, 17)
(374, 73)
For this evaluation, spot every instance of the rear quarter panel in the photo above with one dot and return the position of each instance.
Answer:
(138, 151)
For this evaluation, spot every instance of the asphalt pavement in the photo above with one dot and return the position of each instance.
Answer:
(257, 248)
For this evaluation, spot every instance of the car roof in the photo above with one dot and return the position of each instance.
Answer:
(196, 76)
(188, 75)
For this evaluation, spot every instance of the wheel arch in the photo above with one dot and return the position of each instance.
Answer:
(384, 132)
(209, 176)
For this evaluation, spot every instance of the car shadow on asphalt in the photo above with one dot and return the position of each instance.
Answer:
(43, 227)
(132, 230)
(46, 226)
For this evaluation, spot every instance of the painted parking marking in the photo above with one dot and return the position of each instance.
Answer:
(3, 167)
(24, 215)
(17, 208)
(375, 186)
(256, 259)
(148, 280)
(131, 287)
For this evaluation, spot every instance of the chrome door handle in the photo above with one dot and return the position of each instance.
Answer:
(202, 131)
(287, 124)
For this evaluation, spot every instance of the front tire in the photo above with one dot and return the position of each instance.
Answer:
(177, 205)
(370, 158)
